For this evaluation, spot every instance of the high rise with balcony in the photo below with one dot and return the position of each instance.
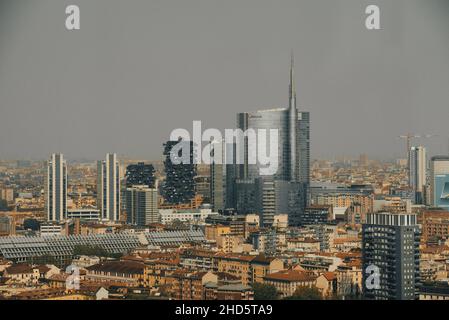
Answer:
(390, 256)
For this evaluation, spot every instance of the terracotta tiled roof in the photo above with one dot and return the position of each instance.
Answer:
(43, 268)
(329, 276)
(129, 267)
(62, 277)
(291, 276)
(262, 259)
(19, 269)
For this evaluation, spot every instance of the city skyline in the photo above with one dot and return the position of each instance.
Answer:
(123, 101)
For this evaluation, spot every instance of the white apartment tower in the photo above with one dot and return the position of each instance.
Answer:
(56, 188)
(108, 188)
(417, 172)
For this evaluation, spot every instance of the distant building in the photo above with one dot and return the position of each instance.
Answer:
(436, 291)
(435, 225)
(51, 229)
(122, 273)
(167, 216)
(56, 188)
(286, 282)
(202, 187)
(7, 226)
(84, 214)
(7, 194)
(269, 241)
(179, 184)
(268, 197)
(108, 188)
(439, 182)
(222, 178)
(141, 205)
(304, 147)
(417, 172)
(140, 174)
(316, 214)
(284, 191)
(391, 247)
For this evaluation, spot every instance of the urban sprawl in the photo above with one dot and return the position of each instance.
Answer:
(316, 229)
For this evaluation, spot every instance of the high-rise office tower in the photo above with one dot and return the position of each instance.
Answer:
(179, 184)
(293, 140)
(108, 188)
(268, 196)
(439, 182)
(218, 186)
(293, 154)
(56, 188)
(304, 147)
(141, 205)
(417, 172)
(222, 170)
(390, 256)
(140, 174)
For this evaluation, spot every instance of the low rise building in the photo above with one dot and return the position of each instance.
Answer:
(125, 273)
(286, 282)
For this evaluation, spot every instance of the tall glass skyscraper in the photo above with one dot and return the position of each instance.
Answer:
(269, 194)
(294, 139)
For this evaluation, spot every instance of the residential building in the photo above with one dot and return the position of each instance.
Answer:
(286, 282)
(141, 205)
(108, 188)
(56, 188)
(390, 256)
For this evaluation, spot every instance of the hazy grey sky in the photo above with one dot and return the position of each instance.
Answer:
(138, 69)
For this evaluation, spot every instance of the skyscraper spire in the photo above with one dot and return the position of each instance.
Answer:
(292, 123)
(292, 89)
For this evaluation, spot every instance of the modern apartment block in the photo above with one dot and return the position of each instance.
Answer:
(141, 205)
(108, 188)
(56, 188)
(390, 256)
